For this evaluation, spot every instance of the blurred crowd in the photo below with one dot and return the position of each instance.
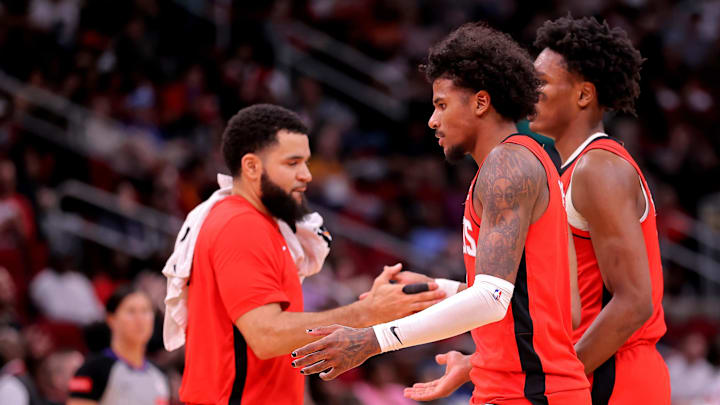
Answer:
(160, 78)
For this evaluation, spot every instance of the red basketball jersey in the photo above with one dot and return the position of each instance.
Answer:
(528, 356)
(593, 294)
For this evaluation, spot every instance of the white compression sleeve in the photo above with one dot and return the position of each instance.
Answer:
(450, 287)
(485, 302)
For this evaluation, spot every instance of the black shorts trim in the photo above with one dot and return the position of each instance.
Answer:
(604, 376)
(603, 382)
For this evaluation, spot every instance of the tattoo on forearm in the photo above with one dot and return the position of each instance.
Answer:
(507, 188)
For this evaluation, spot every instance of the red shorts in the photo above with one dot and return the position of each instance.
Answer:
(574, 397)
(636, 375)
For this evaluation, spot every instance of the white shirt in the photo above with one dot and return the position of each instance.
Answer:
(66, 297)
(12, 391)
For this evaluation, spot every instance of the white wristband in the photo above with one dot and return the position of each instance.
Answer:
(485, 302)
(450, 287)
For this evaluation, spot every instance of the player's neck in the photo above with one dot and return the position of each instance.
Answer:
(246, 191)
(490, 133)
(575, 134)
(130, 353)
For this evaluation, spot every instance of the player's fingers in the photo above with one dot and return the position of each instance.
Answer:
(393, 270)
(311, 358)
(388, 273)
(419, 306)
(441, 358)
(406, 277)
(323, 330)
(364, 295)
(309, 348)
(415, 288)
(429, 295)
(413, 393)
(331, 374)
(416, 395)
(401, 277)
(420, 394)
(315, 368)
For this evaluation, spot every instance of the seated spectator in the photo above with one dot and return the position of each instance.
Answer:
(54, 374)
(691, 375)
(16, 385)
(8, 311)
(65, 295)
(17, 226)
(17, 220)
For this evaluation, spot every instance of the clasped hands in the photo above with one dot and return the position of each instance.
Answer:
(342, 348)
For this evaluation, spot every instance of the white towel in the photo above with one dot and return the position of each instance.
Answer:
(309, 247)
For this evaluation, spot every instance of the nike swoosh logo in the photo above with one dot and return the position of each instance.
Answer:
(392, 329)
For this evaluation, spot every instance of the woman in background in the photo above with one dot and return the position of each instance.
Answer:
(120, 374)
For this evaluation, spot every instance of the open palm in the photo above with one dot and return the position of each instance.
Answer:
(457, 373)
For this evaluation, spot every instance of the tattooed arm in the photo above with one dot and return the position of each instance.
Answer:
(511, 191)
(509, 186)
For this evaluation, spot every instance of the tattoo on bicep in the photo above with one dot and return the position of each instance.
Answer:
(507, 188)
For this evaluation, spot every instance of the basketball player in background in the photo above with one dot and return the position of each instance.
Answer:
(588, 69)
(517, 302)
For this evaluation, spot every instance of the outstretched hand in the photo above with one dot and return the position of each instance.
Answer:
(457, 373)
(340, 349)
(394, 273)
(387, 302)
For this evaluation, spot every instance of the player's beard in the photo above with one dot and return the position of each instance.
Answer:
(280, 204)
(455, 154)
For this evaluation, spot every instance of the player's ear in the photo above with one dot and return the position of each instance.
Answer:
(586, 94)
(110, 320)
(251, 166)
(482, 102)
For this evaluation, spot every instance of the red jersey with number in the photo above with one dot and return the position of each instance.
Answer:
(241, 262)
(593, 294)
(528, 357)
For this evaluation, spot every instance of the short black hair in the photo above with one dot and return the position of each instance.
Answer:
(478, 57)
(118, 296)
(255, 128)
(602, 55)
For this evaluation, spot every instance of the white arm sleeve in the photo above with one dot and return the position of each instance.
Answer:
(450, 287)
(485, 302)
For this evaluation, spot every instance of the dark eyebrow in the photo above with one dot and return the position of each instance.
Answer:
(437, 100)
(295, 157)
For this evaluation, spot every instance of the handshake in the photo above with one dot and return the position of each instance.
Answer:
(394, 294)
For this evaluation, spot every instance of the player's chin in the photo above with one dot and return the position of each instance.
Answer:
(534, 123)
(298, 196)
(453, 154)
